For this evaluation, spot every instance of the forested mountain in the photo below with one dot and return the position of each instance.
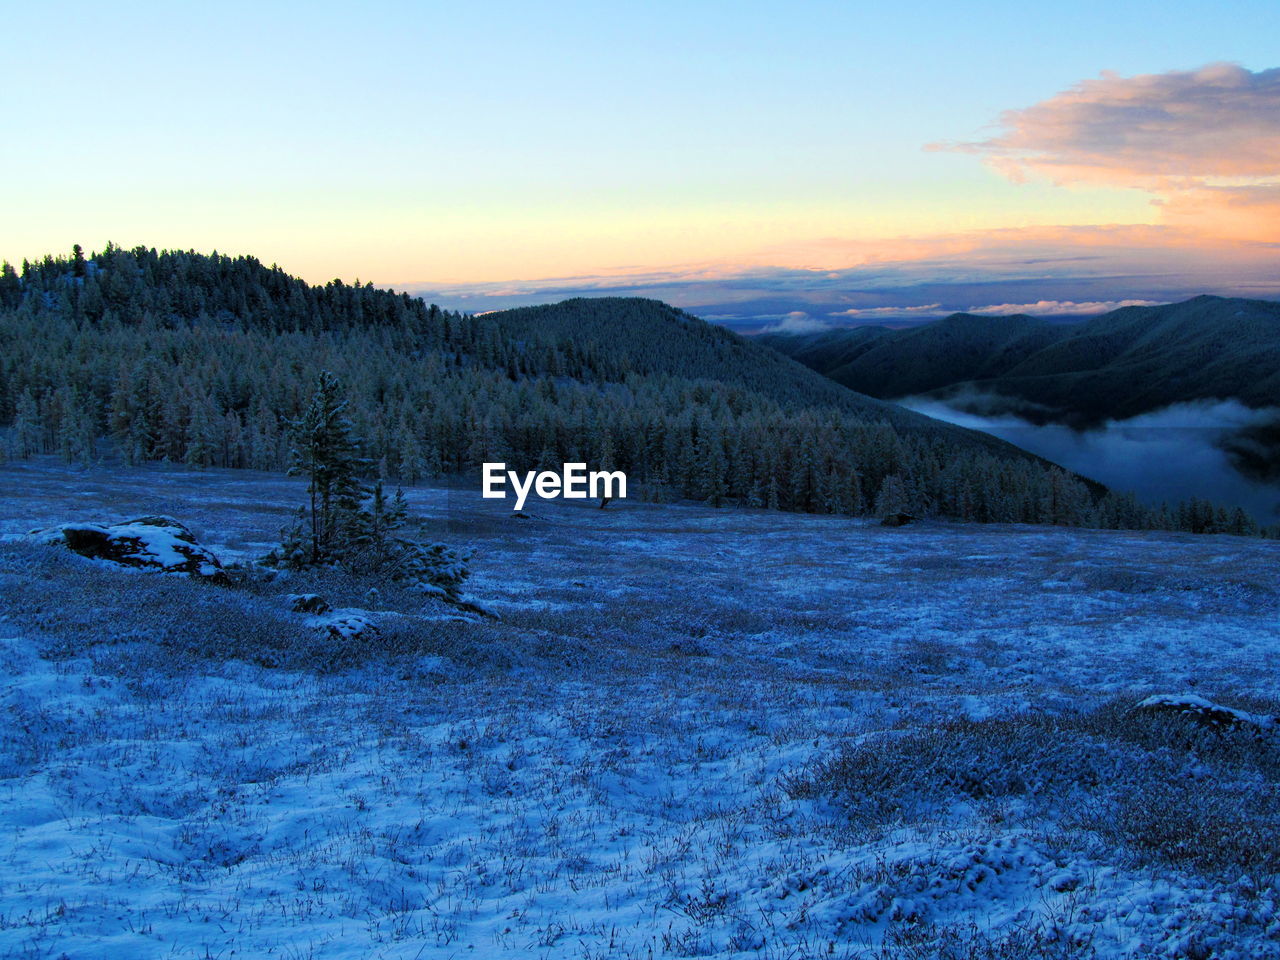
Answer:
(1118, 365)
(205, 360)
(647, 338)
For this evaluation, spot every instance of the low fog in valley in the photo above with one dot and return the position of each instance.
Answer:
(1164, 456)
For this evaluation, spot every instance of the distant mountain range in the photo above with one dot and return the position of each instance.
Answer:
(1114, 366)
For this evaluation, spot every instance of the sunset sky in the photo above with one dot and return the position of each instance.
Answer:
(765, 163)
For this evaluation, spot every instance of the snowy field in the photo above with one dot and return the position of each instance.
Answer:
(690, 733)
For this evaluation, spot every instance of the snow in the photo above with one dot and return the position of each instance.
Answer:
(1194, 704)
(162, 544)
(603, 773)
(345, 624)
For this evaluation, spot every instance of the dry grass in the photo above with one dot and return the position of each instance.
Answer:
(1161, 788)
(600, 773)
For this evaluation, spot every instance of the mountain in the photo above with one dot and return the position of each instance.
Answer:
(631, 336)
(1114, 366)
(207, 359)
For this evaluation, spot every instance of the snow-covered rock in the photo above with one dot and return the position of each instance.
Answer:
(348, 627)
(1203, 711)
(149, 543)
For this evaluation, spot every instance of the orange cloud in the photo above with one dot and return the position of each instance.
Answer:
(1059, 308)
(1205, 142)
(1247, 212)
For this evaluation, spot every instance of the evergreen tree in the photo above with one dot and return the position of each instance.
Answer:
(326, 452)
(372, 546)
(892, 497)
(10, 286)
(27, 429)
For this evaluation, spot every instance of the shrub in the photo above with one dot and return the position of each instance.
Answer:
(1162, 787)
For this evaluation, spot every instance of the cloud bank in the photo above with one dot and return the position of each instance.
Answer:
(1219, 120)
(1060, 308)
(876, 313)
(1163, 457)
(796, 321)
(1205, 142)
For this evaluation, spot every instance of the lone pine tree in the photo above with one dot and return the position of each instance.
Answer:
(326, 452)
(348, 524)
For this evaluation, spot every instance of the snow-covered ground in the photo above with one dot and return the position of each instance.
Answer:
(692, 733)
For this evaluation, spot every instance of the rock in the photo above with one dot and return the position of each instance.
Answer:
(898, 520)
(147, 543)
(1201, 711)
(308, 603)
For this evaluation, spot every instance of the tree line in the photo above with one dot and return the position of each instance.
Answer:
(206, 359)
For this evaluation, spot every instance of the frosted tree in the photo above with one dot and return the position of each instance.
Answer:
(27, 429)
(372, 545)
(893, 497)
(201, 433)
(325, 451)
(76, 428)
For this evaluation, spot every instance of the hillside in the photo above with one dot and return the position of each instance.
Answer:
(1114, 366)
(694, 732)
(181, 357)
(632, 336)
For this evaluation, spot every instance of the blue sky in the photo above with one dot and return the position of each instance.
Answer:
(443, 145)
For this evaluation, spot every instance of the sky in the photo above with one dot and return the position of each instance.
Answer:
(764, 164)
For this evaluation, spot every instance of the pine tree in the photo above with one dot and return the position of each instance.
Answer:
(10, 286)
(412, 466)
(371, 546)
(27, 429)
(892, 497)
(76, 430)
(326, 452)
(201, 445)
(1241, 524)
(711, 479)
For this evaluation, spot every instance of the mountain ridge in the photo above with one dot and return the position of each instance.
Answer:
(1117, 365)
(637, 333)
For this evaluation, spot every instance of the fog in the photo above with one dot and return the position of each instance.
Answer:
(1163, 456)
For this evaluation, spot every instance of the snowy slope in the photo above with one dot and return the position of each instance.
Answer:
(615, 768)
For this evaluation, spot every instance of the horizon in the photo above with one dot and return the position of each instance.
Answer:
(796, 322)
(832, 164)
